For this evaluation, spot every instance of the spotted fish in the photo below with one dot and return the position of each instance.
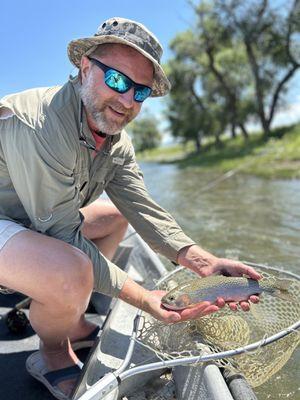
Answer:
(211, 288)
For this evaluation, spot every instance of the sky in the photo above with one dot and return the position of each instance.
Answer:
(35, 34)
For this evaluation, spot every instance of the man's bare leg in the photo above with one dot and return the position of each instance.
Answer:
(59, 279)
(106, 227)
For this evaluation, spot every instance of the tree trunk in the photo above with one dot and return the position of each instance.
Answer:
(218, 142)
(233, 132)
(198, 143)
(266, 128)
(244, 131)
(258, 86)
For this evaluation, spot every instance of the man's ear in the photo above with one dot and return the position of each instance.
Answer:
(85, 67)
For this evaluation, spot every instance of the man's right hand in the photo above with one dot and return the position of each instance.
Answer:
(150, 302)
(152, 305)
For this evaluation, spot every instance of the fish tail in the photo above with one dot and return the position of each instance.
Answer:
(281, 289)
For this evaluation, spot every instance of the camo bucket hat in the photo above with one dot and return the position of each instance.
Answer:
(130, 33)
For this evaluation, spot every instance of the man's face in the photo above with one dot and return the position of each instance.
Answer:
(107, 110)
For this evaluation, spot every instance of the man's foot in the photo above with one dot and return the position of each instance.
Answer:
(60, 381)
(87, 341)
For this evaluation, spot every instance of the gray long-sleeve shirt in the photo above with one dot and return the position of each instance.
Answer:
(47, 175)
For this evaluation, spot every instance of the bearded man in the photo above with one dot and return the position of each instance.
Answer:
(60, 147)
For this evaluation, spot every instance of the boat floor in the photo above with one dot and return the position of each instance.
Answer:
(15, 382)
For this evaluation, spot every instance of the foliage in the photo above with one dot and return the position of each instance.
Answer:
(278, 157)
(232, 67)
(145, 133)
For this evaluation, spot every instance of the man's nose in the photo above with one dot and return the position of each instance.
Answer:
(126, 99)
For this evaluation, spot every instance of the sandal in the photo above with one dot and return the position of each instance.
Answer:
(36, 367)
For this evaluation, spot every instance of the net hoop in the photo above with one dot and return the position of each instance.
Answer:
(122, 373)
(228, 353)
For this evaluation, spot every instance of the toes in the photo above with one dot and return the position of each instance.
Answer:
(254, 299)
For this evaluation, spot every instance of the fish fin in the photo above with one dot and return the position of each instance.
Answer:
(283, 284)
(284, 295)
(282, 289)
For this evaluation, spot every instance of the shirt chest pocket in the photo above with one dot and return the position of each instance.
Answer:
(97, 184)
(82, 181)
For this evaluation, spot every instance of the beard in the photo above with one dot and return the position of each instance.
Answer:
(99, 112)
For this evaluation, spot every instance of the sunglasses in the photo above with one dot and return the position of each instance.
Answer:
(121, 83)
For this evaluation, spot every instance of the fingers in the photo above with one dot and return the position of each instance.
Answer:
(198, 311)
(233, 306)
(234, 268)
(220, 302)
(245, 306)
(254, 299)
(169, 317)
(239, 269)
(251, 272)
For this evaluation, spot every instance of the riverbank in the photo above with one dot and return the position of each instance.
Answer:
(278, 157)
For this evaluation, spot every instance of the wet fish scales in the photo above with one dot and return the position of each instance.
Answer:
(229, 288)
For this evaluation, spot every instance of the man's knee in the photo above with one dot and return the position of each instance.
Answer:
(121, 221)
(74, 284)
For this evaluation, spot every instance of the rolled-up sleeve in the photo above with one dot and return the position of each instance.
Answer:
(156, 226)
(41, 168)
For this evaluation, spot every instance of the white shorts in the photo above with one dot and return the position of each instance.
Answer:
(7, 230)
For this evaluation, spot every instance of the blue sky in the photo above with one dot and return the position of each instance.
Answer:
(35, 34)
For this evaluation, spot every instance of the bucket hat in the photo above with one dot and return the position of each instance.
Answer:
(130, 33)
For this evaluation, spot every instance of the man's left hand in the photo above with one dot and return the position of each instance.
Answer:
(205, 264)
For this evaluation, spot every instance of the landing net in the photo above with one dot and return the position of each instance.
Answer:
(228, 330)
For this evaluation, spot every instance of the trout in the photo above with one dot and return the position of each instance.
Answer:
(230, 289)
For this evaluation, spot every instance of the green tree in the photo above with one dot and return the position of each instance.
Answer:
(191, 115)
(210, 77)
(145, 133)
(225, 66)
(270, 37)
(235, 64)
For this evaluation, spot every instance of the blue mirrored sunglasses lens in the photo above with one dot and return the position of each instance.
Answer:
(117, 81)
(121, 84)
(141, 93)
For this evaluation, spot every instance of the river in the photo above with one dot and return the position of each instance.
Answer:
(243, 217)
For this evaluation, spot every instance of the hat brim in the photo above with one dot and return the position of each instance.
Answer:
(84, 46)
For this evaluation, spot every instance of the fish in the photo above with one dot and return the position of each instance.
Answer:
(195, 291)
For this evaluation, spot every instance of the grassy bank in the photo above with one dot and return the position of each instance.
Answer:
(278, 157)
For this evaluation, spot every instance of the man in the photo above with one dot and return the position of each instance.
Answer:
(60, 148)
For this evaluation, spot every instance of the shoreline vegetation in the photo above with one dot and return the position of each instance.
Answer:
(278, 157)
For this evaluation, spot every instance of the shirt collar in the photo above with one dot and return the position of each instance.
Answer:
(85, 135)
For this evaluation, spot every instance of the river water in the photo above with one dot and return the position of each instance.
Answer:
(243, 217)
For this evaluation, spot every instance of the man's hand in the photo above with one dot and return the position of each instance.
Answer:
(150, 301)
(152, 305)
(205, 264)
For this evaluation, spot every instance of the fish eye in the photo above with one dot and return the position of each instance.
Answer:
(171, 298)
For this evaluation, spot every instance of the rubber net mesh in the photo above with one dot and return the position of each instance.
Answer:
(227, 330)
